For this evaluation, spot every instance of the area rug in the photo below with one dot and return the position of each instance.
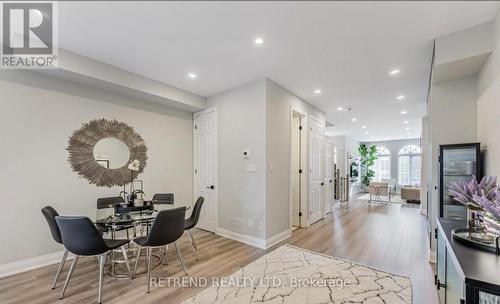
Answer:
(293, 275)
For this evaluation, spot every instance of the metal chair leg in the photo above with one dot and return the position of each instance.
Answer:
(180, 258)
(60, 268)
(125, 257)
(138, 255)
(166, 255)
(193, 244)
(70, 272)
(102, 260)
(149, 250)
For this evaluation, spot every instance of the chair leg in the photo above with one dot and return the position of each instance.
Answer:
(70, 272)
(149, 250)
(61, 266)
(102, 260)
(138, 255)
(180, 258)
(125, 257)
(193, 244)
(166, 255)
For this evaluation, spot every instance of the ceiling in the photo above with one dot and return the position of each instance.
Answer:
(346, 49)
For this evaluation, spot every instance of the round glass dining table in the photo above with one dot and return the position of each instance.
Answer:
(112, 220)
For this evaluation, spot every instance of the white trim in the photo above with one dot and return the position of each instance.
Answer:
(432, 256)
(216, 139)
(31, 263)
(253, 240)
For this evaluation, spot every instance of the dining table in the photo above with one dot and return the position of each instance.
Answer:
(116, 218)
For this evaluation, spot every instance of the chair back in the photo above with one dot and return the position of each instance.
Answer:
(167, 227)
(163, 198)
(195, 215)
(50, 216)
(80, 236)
(109, 202)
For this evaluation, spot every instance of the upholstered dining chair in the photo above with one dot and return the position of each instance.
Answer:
(50, 215)
(167, 228)
(163, 198)
(82, 238)
(192, 221)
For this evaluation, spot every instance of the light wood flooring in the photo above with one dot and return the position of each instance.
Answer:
(391, 238)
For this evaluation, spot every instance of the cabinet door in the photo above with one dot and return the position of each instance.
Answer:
(441, 267)
(454, 283)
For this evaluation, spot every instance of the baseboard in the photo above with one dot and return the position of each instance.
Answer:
(31, 263)
(275, 239)
(254, 241)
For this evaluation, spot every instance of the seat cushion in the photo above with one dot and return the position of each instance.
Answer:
(141, 241)
(189, 223)
(113, 244)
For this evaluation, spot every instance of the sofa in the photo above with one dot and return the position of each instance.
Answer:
(410, 194)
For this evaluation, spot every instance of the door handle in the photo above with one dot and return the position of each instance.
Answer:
(436, 187)
(211, 187)
(330, 181)
(439, 285)
(322, 184)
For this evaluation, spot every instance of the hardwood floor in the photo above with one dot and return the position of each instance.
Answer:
(390, 238)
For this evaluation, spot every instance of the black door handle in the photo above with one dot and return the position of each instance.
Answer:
(322, 184)
(211, 187)
(330, 181)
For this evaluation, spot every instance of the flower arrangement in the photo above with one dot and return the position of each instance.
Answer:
(483, 196)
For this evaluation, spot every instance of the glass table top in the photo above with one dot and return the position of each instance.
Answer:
(108, 216)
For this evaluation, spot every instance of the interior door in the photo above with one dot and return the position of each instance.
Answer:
(328, 179)
(316, 183)
(205, 162)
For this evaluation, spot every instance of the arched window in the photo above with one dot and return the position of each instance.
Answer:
(409, 165)
(382, 165)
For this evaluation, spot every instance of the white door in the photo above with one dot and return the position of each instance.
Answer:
(328, 179)
(316, 137)
(205, 165)
(295, 175)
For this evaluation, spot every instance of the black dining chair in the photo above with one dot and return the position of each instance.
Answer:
(192, 221)
(112, 202)
(163, 198)
(167, 228)
(82, 238)
(50, 215)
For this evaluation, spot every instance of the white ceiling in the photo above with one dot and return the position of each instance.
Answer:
(345, 48)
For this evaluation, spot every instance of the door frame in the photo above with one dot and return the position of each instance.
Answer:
(216, 166)
(327, 182)
(304, 161)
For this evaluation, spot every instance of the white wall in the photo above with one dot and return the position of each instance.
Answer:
(34, 131)
(488, 105)
(345, 146)
(279, 105)
(241, 114)
(394, 146)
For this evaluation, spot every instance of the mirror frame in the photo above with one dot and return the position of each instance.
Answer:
(81, 151)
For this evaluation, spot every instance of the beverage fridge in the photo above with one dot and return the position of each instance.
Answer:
(457, 162)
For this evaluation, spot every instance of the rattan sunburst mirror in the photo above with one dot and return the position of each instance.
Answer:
(101, 150)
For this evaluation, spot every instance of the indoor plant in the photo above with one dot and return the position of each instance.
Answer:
(368, 155)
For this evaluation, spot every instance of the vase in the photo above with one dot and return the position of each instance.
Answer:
(475, 219)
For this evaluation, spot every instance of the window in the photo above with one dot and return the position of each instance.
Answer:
(409, 165)
(382, 166)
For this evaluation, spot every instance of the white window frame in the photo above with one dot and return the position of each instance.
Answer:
(409, 151)
(382, 152)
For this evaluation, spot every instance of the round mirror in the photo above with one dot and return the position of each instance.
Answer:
(111, 153)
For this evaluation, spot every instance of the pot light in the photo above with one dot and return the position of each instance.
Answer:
(354, 119)
(317, 91)
(366, 132)
(363, 127)
(259, 41)
(400, 97)
(408, 133)
(192, 75)
(394, 72)
(405, 122)
(407, 129)
(340, 108)
(404, 112)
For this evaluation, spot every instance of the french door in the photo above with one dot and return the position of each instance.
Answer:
(205, 166)
(316, 183)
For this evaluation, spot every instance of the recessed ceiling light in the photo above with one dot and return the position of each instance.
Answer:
(400, 97)
(192, 75)
(407, 129)
(405, 122)
(340, 108)
(354, 119)
(363, 127)
(408, 133)
(317, 91)
(366, 132)
(404, 112)
(394, 72)
(259, 41)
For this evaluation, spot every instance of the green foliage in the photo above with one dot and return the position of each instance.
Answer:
(368, 156)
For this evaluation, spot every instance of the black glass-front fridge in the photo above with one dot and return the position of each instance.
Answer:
(457, 162)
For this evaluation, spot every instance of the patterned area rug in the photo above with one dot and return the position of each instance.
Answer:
(293, 275)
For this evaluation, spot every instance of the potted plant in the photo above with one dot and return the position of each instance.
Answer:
(368, 155)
